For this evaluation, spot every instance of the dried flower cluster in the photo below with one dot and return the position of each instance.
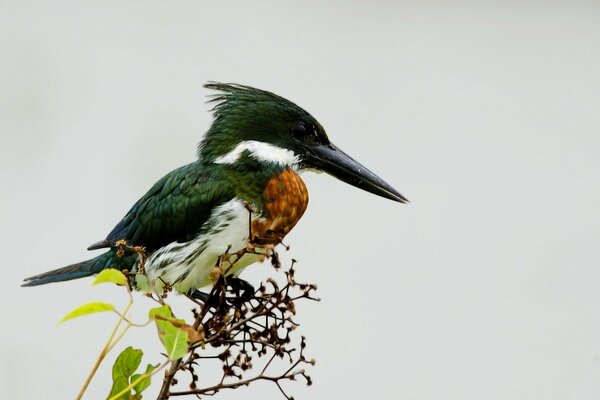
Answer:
(239, 327)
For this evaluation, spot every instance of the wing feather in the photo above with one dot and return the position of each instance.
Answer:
(173, 210)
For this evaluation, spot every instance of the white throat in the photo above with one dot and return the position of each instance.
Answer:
(261, 151)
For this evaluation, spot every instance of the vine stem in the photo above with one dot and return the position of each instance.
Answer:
(107, 347)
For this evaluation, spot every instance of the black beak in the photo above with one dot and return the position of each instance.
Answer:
(334, 161)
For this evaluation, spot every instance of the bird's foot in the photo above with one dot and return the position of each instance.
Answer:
(242, 289)
(242, 292)
(199, 295)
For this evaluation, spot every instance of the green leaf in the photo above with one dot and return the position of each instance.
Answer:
(144, 383)
(162, 311)
(89, 308)
(125, 365)
(173, 338)
(127, 362)
(119, 384)
(111, 275)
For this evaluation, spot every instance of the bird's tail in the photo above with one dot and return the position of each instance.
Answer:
(73, 271)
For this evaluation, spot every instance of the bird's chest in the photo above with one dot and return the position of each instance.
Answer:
(187, 265)
(284, 201)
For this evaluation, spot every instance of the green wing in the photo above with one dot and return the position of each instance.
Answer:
(173, 210)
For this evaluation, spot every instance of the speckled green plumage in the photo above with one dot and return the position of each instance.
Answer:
(174, 208)
(178, 205)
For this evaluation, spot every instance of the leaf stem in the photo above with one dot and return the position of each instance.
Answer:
(107, 347)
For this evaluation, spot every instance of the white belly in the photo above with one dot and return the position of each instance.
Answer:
(187, 266)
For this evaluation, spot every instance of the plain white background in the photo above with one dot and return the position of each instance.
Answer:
(484, 114)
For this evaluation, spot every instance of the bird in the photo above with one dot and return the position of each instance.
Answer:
(244, 186)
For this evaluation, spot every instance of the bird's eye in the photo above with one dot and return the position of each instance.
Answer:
(299, 131)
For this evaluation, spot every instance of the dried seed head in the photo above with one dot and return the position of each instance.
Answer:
(215, 274)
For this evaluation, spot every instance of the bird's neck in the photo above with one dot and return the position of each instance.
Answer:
(220, 150)
(246, 177)
(247, 164)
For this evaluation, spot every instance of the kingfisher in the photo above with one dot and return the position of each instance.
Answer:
(244, 187)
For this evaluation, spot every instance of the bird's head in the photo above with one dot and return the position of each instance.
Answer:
(272, 129)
